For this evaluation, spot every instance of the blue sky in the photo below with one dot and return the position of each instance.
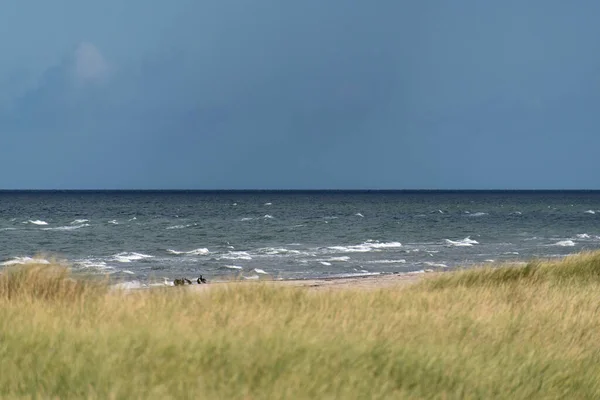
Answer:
(266, 94)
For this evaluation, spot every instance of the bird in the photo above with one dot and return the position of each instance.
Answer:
(186, 280)
(201, 280)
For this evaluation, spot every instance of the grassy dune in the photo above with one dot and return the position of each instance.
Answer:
(510, 332)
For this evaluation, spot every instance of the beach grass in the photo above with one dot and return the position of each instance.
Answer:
(509, 332)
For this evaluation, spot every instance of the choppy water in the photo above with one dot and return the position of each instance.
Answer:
(139, 235)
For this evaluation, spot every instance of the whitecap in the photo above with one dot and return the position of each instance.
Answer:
(477, 214)
(66, 228)
(325, 263)
(25, 260)
(80, 221)
(268, 204)
(260, 271)
(246, 219)
(178, 227)
(196, 252)
(272, 251)
(267, 216)
(252, 277)
(359, 215)
(38, 222)
(590, 212)
(399, 261)
(114, 222)
(432, 264)
(366, 247)
(466, 242)
(564, 243)
(126, 271)
(132, 219)
(583, 236)
(232, 267)
(127, 257)
(341, 259)
(235, 255)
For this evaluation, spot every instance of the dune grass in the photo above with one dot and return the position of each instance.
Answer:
(509, 332)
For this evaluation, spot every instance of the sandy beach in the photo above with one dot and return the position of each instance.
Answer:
(355, 282)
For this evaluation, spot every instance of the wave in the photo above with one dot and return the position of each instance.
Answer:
(233, 267)
(400, 261)
(477, 214)
(590, 212)
(127, 257)
(359, 215)
(273, 251)
(114, 222)
(267, 216)
(466, 242)
(268, 204)
(37, 222)
(179, 226)
(326, 263)
(365, 247)
(260, 271)
(235, 255)
(66, 228)
(583, 236)
(438, 265)
(80, 221)
(246, 219)
(196, 252)
(564, 243)
(25, 260)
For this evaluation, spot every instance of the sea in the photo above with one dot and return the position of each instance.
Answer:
(141, 237)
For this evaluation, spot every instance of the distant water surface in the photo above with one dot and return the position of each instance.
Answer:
(141, 235)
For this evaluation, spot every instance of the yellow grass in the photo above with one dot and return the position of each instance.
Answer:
(512, 333)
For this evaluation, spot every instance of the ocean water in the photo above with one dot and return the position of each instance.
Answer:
(143, 236)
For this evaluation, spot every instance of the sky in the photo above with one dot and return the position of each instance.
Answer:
(312, 94)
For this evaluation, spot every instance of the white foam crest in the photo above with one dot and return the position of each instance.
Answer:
(432, 264)
(95, 264)
(466, 242)
(127, 257)
(267, 216)
(178, 227)
(8, 229)
(246, 219)
(366, 247)
(399, 261)
(66, 228)
(340, 259)
(260, 271)
(233, 267)
(359, 215)
(80, 221)
(132, 219)
(326, 263)
(196, 252)
(268, 204)
(477, 214)
(590, 212)
(273, 251)
(25, 260)
(114, 222)
(583, 236)
(252, 277)
(564, 243)
(37, 222)
(235, 255)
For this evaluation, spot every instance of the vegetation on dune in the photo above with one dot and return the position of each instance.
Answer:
(508, 332)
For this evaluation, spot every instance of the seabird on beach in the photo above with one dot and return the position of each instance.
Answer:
(201, 280)
(186, 280)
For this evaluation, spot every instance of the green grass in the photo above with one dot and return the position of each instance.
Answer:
(511, 332)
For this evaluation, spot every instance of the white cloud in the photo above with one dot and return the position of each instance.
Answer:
(90, 64)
